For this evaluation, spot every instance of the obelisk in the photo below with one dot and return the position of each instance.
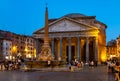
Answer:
(46, 54)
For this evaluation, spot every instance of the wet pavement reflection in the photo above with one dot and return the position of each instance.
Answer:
(85, 74)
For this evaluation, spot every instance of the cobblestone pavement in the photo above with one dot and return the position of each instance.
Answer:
(86, 74)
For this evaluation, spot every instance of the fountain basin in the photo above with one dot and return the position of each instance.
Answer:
(43, 64)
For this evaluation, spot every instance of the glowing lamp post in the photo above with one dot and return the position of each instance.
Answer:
(14, 50)
(26, 51)
(6, 57)
(34, 55)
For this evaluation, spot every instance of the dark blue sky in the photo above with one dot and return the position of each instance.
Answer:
(27, 16)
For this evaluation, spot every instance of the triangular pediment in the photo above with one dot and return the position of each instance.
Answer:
(66, 25)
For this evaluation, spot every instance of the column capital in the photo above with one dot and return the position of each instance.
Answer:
(96, 38)
(53, 38)
(78, 37)
(60, 37)
(87, 38)
(69, 37)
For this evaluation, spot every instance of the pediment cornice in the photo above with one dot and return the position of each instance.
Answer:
(91, 33)
(65, 24)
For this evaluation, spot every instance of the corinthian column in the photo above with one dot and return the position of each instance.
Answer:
(69, 55)
(78, 48)
(53, 46)
(87, 49)
(96, 48)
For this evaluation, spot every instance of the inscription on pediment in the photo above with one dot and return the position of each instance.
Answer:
(66, 25)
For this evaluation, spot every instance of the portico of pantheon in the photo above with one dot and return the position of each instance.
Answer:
(75, 36)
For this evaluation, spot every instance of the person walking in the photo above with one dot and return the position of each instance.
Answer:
(92, 64)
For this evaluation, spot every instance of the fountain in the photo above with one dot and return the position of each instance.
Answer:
(46, 54)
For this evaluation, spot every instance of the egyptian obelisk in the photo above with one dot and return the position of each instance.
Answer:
(46, 54)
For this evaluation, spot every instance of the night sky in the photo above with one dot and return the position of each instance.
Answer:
(27, 16)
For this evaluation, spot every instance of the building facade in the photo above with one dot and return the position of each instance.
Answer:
(5, 50)
(24, 45)
(118, 46)
(112, 49)
(75, 36)
(13, 45)
(5, 45)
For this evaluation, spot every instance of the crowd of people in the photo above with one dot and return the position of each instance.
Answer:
(114, 67)
(75, 64)
(11, 64)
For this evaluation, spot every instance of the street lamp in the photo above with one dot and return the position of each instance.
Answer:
(14, 50)
(6, 57)
(26, 51)
(34, 53)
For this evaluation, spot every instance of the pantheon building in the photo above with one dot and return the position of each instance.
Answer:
(75, 36)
